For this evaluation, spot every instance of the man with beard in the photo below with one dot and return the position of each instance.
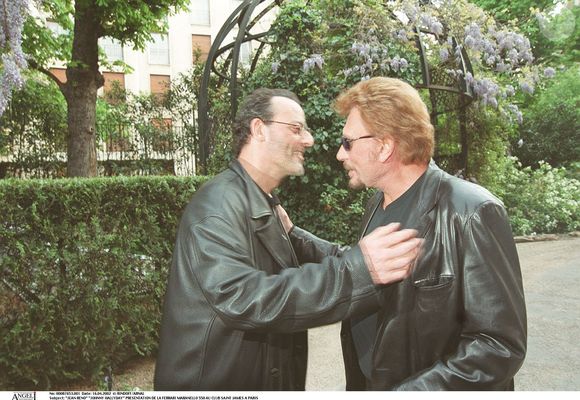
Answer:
(238, 302)
(459, 321)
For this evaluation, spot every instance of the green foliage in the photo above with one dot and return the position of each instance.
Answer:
(544, 200)
(342, 213)
(551, 127)
(33, 127)
(488, 140)
(83, 267)
(131, 23)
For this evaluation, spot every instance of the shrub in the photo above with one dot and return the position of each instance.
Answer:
(83, 266)
(543, 200)
(551, 126)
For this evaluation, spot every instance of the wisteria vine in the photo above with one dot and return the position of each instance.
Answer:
(495, 50)
(12, 16)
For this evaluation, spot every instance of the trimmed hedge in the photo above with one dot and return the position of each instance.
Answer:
(83, 269)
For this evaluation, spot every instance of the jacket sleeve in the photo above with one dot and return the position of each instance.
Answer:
(492, 343)
(310, 248)
(296, 299)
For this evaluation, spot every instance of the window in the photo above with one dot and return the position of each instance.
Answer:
(201, 43)
(112, 48)
(159, 49)
(199, 12)
(159, 84)
(162, 141)
(113, 79)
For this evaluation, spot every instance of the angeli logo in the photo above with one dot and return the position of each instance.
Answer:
(24, 396)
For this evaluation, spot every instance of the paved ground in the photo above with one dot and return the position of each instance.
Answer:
(551, 272)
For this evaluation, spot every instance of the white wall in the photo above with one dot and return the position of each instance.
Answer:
(180, 45)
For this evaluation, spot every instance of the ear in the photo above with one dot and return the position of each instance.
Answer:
(387, 149)
(256, 129)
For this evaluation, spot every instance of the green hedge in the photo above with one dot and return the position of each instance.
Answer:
(83, 267)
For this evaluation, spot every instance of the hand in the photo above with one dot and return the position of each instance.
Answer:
(390, 253)
(284, 218)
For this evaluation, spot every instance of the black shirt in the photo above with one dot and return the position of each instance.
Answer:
(364, 329)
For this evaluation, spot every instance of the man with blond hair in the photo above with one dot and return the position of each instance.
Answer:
(459, 321)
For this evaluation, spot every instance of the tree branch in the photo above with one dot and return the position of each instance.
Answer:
(34, 65)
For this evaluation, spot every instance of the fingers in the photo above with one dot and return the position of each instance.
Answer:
(396, 270)
(406, 247)
(392, 227)
(391, 234)
(384, 278)
(390, 253)
(284, 218)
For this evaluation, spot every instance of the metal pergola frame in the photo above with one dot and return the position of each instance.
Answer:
(241, 18)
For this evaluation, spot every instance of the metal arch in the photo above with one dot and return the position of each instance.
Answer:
(461, 90)
(241, 17)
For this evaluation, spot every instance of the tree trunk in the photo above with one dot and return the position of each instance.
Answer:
(80, 91)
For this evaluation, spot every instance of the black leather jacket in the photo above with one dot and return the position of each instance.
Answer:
(236, 308)
(459, 322)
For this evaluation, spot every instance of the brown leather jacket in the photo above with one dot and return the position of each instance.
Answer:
(459, 322)
(236, 307)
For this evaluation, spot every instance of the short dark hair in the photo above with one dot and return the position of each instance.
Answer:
(257, 104)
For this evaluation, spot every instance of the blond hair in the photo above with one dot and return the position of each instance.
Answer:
(392, 108)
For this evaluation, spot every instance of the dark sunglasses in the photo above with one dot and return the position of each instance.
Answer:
(346, 142)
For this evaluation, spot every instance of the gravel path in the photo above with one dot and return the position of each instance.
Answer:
(551, 273)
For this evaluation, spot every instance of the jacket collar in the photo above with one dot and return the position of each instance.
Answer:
(428, 197)
(429, 190)
(259, 206)
(268, 230)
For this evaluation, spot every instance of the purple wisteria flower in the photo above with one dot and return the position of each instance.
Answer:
(12, 14)
(509, 90)
(399, 64)
(10, 79)
(549, 72)
(526, 87)
(516, 47)
(444, 54)
(513, 111)
(361, 49)
(275, 66)
(504, 50)
(502, 67)
(432, 24)
(315, 60)
(484, 89)
(401, 35)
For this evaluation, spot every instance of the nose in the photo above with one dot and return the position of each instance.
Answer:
(341, 154)
(307, 138)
